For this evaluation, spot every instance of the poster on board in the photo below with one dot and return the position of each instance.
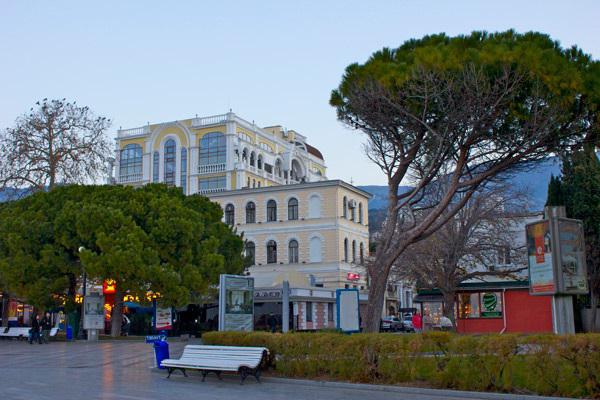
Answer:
(93, 308)
(348, 311)
(542, 280)
(236, 303)
(163, 318)
(572, 269)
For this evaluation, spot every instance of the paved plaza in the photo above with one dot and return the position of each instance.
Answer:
(123, 370)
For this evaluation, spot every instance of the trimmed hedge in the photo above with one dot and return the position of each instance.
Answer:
(543, 364)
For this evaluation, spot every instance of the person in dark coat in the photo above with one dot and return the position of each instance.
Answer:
(272, 321)
(35, 330)
(46, 326)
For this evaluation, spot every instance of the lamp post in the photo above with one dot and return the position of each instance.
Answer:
(81, 333)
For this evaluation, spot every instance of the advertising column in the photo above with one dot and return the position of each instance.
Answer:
(236, 303)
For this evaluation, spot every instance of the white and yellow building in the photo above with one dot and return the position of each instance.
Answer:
(298, 226)
(215, 154)
(313, 234)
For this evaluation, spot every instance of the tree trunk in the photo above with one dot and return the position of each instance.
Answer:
(378, 273)
(5, 302)
(593, 312)
(117, 316)
(449, 303)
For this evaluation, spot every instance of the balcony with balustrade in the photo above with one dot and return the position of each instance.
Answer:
(212, 120)
(131, 178)
(211, 190)
(211, 168)
(133, 132)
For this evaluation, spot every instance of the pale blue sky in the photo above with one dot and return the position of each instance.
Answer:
(274, 62)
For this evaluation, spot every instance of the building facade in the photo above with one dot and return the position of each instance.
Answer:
(214, 154)
(312, 234)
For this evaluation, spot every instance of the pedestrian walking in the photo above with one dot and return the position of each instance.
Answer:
(417, 322)
(272, 321)
(35, 330)
(46, 325)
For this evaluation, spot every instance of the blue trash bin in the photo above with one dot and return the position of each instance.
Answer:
(161, 351)
(69, 332)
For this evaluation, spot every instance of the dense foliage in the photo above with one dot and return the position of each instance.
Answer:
(543, 364)
(152, 238)
(464, 111)
(579, 191)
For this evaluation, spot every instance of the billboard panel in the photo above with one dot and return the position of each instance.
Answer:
(236, 303)
(572, 267)
(348, 312)
(542, 280)
(93, 317)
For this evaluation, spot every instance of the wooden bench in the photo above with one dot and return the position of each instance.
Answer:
(243, 360)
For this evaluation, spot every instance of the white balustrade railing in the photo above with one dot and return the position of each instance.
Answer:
(130, 178)
(211, 168)
(142, 130)
(252, 168)
(213, 190)
(212, 120)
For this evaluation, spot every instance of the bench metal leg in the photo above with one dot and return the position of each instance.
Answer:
(204, 373)
(219, 375)
(243, 374)
(171, 370)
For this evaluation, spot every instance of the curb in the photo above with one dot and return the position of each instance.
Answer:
(433, 393)
(408, 390)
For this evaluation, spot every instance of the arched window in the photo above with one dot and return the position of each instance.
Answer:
(352, 212)
(293, 208)
(278, 168)
(253, 183)
(250, 213)
(245, 156)
(315, 249)
(259, 162)
(252, 158)
(130, 163)
(251, 252)
(346, 250)
(345, 210)
(271, 252)
(184, 169)
(271, 211)
(354, 251)
(170, 154)
(362, 253)
(293, 251)
(248, 181)
(155, 165)
(213, 149)
(229, 214)
(360, 213)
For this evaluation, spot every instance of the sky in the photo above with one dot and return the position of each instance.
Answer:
(272, 62)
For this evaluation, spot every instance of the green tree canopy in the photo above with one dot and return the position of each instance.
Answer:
(150, 238)
(464, 111)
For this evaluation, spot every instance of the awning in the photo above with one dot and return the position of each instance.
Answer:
(428, 298)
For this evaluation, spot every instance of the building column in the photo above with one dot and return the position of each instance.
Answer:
(147, 167)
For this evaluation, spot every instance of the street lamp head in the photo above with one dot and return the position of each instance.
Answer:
(81, 248)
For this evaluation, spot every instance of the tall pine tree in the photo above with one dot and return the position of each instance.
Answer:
(579, 192)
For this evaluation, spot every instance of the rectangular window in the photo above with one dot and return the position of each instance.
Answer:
(155, 162)
(480, 305)
(213, 183)
(329, 311)
(309, 311)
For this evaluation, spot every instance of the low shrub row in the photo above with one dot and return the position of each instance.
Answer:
(542, 364)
